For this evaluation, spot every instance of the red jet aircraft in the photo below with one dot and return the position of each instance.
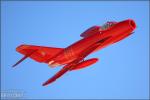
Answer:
(72, 57)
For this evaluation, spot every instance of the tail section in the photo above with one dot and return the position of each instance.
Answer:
(21, 60)
(37, 53)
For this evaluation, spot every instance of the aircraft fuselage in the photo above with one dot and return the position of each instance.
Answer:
(102, 38)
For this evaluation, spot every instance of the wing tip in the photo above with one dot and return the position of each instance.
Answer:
(13, 66)
(48, 82)
(45, 84)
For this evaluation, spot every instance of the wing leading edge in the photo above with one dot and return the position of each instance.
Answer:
(71, 66)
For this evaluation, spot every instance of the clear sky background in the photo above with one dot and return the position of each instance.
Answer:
(121, 73)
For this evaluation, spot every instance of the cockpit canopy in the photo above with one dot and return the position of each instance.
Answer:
(107, 25)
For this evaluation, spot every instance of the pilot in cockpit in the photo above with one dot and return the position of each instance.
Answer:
(108, 25)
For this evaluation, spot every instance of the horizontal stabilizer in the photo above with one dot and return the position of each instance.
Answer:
(23, 59)
(20, 61)
(41, 53)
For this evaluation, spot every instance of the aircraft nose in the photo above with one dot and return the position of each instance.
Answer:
(132, 23)
(127, 25)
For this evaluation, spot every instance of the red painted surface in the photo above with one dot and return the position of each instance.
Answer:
(85, 63)
(93, 39)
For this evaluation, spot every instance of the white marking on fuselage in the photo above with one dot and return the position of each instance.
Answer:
(54, 65)
(50, 62)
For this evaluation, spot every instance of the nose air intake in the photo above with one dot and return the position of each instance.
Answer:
(132, 23)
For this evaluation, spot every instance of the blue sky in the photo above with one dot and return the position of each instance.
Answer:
(121, 73)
